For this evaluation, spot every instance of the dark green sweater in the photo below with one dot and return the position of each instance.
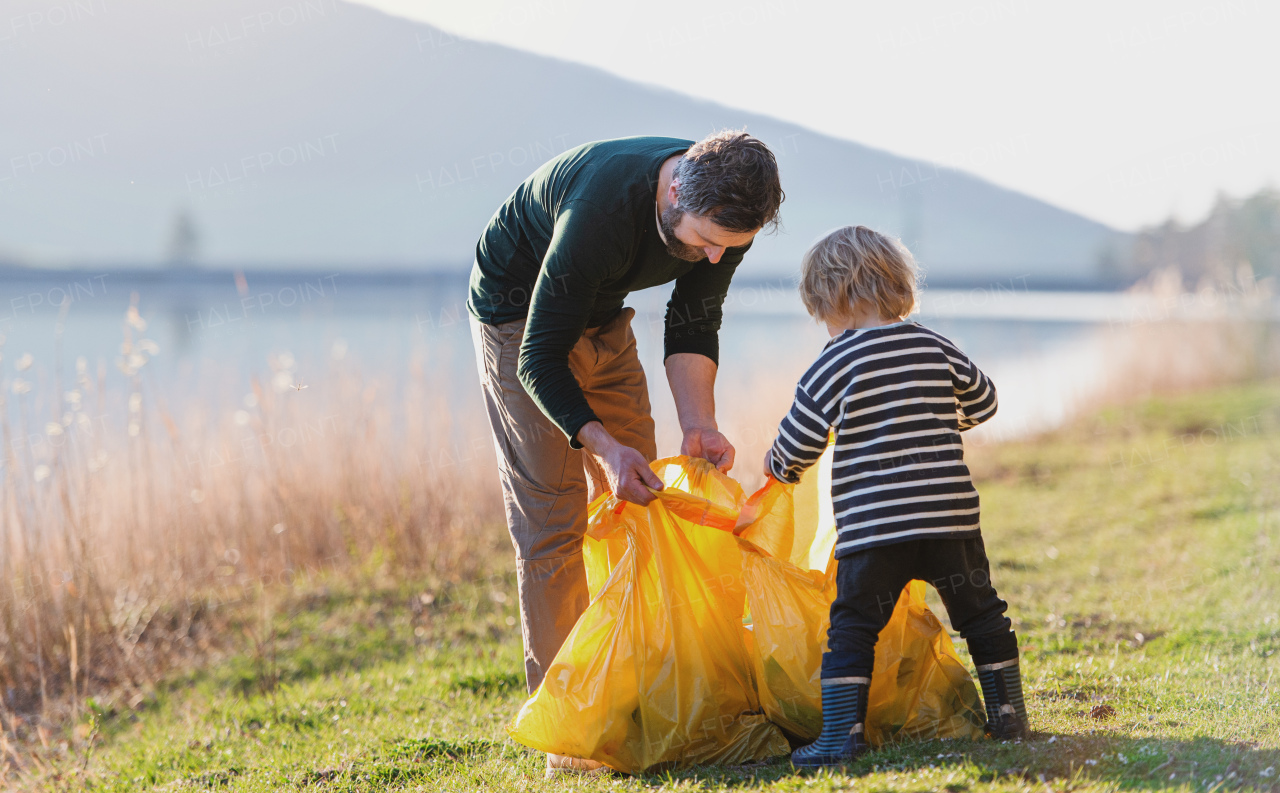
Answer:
(566, 249)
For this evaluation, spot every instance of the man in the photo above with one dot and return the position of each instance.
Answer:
(555, 350)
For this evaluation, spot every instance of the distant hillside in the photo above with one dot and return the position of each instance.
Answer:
(242, 132)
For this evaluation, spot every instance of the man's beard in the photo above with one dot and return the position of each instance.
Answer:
(670, 218)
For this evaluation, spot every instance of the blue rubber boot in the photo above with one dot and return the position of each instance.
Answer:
(844, 715)
(1002, 695)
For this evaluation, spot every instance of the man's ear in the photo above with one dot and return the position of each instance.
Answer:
(673, 192)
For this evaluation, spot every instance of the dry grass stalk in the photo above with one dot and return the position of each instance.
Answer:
(126, 529)
(1190, 339)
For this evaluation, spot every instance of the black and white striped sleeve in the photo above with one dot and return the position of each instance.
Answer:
(802, 437)
(975, 393)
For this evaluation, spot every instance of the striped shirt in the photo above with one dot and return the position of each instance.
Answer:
(897, 398)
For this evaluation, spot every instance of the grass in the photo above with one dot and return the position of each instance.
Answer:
(1139, 550)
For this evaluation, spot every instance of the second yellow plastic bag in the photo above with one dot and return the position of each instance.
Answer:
(920, 690)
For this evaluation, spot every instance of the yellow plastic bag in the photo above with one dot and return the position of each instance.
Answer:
(703, 641)
(920, 689)
(656, 671)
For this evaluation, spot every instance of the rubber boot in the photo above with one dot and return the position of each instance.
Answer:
(844, 716)
(1002, 695)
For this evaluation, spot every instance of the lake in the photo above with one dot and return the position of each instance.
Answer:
(1047, 351)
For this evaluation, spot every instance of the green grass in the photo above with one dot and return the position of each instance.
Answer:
(1139, 551)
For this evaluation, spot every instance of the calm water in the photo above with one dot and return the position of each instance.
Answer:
(215, 332)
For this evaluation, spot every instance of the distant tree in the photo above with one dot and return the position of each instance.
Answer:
(1254, 233)
(1236, 233)
(184, 241)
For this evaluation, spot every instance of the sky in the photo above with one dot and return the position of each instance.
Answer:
(1127, 113)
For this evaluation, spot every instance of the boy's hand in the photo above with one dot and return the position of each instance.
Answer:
(768, 467)
(710, 445)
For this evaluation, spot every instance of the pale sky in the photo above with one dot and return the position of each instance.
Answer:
(1123, 112)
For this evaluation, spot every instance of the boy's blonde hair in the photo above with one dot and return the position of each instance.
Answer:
(853, 265)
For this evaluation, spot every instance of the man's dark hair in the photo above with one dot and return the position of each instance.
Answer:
(731, 178)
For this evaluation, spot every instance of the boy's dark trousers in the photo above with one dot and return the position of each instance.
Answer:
(868, 584)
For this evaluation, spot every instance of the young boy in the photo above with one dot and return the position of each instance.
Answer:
(897, 396)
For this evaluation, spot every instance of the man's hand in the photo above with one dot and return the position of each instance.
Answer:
(692, 378)
(627, 472)
(710, 445)
(768, 464)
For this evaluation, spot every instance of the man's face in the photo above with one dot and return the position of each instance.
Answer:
(694, 238)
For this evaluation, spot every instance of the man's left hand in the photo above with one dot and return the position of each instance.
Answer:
(710, 445)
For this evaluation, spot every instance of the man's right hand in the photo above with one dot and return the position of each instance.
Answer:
(627, 471)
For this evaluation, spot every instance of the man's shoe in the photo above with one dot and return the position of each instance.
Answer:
(844, 714)
(1002, 695)
(564, 764)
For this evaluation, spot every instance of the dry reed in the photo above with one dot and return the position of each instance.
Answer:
(127, 532)
(1186, 339)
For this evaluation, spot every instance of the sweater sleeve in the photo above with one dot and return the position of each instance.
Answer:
(563, 295)
(802, 438)
(975, 393)
(696, 307)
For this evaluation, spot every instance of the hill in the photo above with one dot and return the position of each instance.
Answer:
(252, 132)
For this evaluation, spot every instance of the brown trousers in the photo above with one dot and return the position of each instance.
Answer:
(546, 484)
